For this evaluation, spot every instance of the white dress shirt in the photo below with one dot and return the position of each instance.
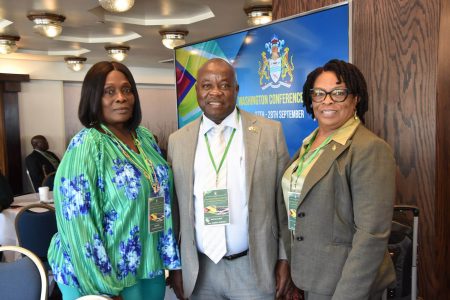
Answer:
(237, 231)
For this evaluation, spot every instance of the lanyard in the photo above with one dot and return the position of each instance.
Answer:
(217, 169)
(302, 164)
(147, 168)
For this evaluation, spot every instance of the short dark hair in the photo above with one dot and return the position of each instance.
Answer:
(35, 140)
(345, 72)
(90, 108)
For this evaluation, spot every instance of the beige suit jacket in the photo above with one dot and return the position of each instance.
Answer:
(344, 220)
(265, 158)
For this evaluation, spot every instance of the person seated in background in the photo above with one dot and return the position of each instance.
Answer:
(6, 195)
(40, 162)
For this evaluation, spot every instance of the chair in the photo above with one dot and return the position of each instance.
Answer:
(24, 278)
(35, 230)
(48, 180)
(31, 180)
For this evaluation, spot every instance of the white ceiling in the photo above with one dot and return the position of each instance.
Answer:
(88, 27)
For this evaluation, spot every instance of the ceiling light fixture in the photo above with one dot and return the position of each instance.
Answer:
(47, 24)
(118, 53)
(173, 38)
(8, 44)
(75, 63)
(259, 14)
(116, 5)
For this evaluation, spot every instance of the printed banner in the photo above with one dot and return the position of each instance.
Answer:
(271, 63)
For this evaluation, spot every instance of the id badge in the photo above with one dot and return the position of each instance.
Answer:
(216, 209)
(294, 199)
(155, 214)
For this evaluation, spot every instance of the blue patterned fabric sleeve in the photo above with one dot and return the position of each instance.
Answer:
(78, 254)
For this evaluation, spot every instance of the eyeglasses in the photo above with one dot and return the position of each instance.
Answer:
(111, 91)
(318, 95)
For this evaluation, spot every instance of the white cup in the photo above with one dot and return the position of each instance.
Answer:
(43, 193)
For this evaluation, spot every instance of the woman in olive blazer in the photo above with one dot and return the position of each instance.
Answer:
(339, 190)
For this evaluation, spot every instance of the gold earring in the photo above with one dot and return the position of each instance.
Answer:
(355, 115)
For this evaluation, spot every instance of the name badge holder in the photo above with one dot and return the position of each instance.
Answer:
(216, 208)
(155, 214)
(294, 199)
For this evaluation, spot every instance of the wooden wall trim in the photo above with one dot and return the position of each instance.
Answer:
(442, 155)
(14, 77)
(3, 155)
(10, 150)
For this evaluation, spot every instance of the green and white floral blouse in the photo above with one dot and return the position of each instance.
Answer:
(101, 198)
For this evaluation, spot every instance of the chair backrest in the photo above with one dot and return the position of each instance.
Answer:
(49, 180)
(36, 229)
(31, 181)
(24, 278)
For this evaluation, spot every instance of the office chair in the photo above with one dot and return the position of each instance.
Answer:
(35, 230)
(30, 180)
(24, 278)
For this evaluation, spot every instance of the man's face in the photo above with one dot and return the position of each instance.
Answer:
(217, 90)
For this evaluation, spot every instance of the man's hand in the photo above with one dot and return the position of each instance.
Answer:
(294, 293)
(175, 281)
(283, 278)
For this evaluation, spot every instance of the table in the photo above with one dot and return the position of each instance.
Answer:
(8, 234)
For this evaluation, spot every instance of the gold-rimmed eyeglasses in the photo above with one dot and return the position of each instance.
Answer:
(318, 95)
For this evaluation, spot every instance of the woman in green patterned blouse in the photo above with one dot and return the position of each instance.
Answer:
(112, 195)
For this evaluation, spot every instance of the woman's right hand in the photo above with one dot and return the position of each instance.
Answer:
(116, 297)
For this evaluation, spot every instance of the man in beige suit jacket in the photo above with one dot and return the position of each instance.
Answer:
(261, 271)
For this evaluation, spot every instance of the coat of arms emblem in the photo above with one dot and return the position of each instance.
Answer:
(277, 70)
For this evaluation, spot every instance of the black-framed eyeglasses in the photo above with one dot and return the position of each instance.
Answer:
(337, 95)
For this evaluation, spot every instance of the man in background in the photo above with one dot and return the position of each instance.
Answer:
(40, 162)
(228, 162)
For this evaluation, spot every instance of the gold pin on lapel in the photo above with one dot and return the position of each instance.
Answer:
(253, 129)
(333, 148)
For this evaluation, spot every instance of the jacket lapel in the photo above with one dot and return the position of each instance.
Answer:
(251, 134)
(322, 165)
(189, 148)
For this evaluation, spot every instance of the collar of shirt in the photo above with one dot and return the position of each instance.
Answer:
(232, 120)
(341, 135)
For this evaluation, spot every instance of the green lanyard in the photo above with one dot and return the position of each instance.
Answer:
(302, 164)
(217, 169)
(146, 168)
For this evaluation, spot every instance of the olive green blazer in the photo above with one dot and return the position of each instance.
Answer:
(344, 220)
